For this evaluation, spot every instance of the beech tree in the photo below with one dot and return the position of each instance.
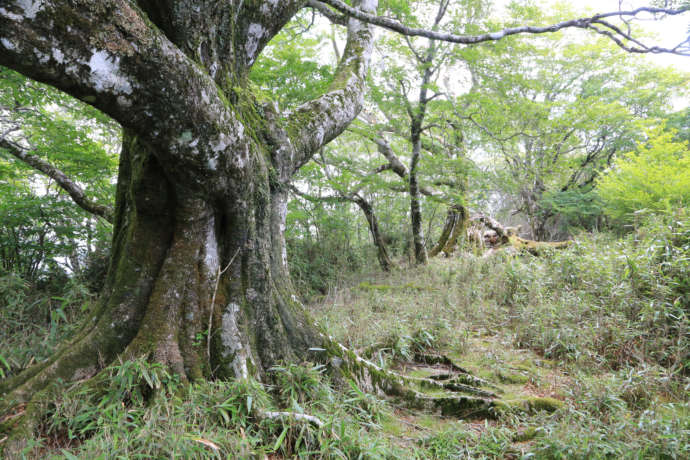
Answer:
(198, 226)
(201, 186)
(550, 118)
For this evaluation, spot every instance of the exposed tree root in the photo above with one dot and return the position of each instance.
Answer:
(19, 425)
(437, 393)
(457, 375)
(428, 358)
(373, 377)
(272, 415)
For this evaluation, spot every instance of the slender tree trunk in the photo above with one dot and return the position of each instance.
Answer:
(372, 221)
(381, 251)
(420, 253)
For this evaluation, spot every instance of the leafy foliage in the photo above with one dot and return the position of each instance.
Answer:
(43, 231)
(551, 115)
(612, 312)
(291, 68)
(653, 178)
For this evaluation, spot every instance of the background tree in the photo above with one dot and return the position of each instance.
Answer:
(201, 186)
(55, 153)
(408, 101)
(553, 117)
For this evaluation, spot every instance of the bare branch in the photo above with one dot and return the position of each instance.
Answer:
(340, 198)
(327, 12)
(618, 36)
(75, 191)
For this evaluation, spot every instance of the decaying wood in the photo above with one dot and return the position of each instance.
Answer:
(508, 238)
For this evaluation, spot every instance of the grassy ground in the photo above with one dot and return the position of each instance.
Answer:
(600, 328)
(495, 318)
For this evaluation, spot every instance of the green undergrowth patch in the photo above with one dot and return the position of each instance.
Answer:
(586, 348)
(137, 410)
(365, 285)
(34, 320)
(600, 329)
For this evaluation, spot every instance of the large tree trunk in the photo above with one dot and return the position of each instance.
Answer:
(200, 210)
(170, 243)
(456, 224)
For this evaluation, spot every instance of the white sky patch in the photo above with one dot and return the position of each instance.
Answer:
(667, 32)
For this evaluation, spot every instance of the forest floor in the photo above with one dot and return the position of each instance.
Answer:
(583, 346)
(488, 315)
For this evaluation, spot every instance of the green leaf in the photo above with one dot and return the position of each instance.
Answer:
(280, 439)
(68, 455)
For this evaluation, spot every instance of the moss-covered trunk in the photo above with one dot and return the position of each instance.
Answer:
(420, 253)
(456, 224)
(170, 247)
(142, 234)
(198, 278)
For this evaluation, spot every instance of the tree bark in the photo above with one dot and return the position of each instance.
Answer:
(456, 224)
(365, 206)
(420, 253)
(381, 251)
(201, 197)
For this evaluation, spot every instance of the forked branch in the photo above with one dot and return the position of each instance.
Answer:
(598, 23)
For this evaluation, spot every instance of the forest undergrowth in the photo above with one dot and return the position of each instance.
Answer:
(598, 332)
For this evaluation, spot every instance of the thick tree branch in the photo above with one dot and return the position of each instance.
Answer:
(75, 191)
(129, 70)
(317, 122)
(201, 28)
(616, 34)
(331, 15)
(263, 20)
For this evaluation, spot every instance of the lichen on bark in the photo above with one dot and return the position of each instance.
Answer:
(201, 196)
